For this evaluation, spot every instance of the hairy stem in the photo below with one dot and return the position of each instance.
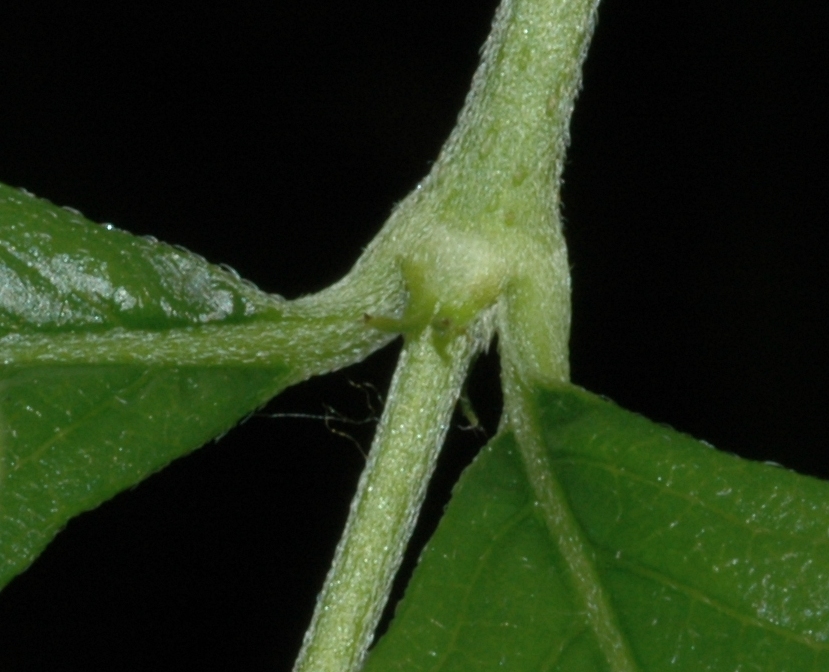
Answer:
(479, 238)
(384, 511)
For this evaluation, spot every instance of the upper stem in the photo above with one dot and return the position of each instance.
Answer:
(483, 227)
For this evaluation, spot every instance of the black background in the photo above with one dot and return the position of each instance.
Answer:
(275, 137)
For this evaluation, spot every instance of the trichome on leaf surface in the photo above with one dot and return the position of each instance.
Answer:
(582, 538)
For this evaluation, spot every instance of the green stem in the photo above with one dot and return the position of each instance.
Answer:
(384, 511)
(478, 243)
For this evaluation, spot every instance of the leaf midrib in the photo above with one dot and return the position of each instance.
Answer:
(303, 346)
(566, 533)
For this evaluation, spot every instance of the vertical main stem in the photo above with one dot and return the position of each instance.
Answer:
(384, 511)
(481, 231)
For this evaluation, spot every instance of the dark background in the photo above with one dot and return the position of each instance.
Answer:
(275, 137)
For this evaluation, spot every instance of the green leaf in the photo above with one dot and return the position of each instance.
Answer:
(117, 355)
(708, 561)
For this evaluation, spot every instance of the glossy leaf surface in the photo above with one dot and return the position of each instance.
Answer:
(77, 425)
(60, 272)
(708, 561)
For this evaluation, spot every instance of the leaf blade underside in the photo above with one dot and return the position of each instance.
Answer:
(710, 562)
